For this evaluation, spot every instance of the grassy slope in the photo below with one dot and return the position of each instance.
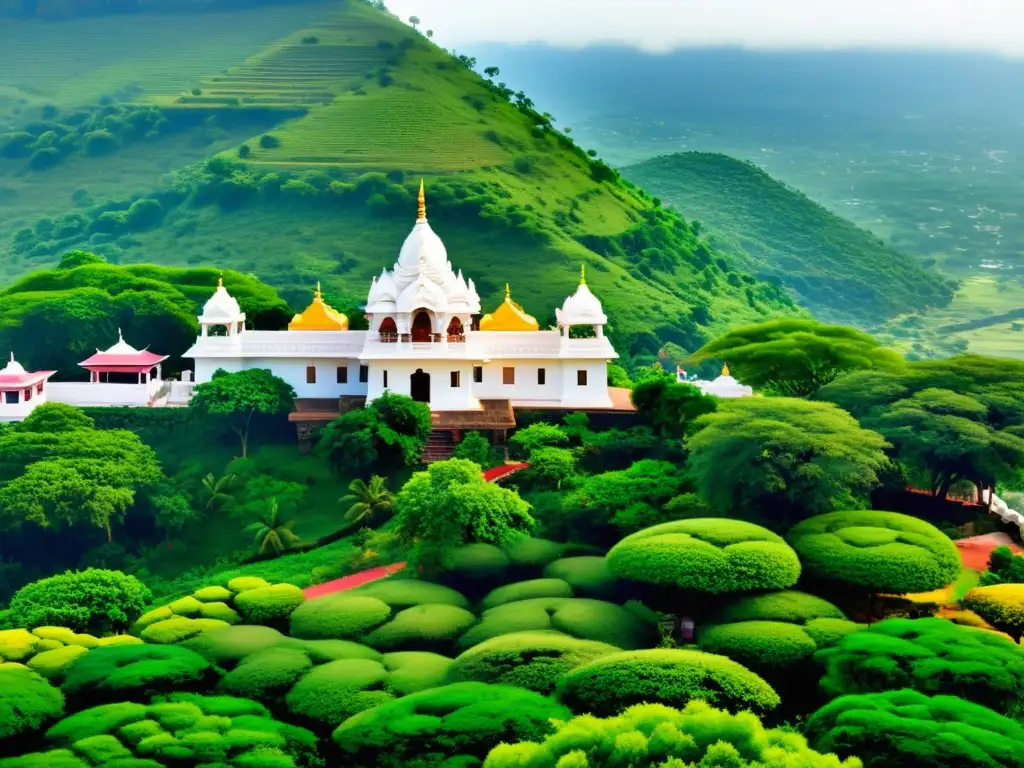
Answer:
(434, 118)
(839, 271)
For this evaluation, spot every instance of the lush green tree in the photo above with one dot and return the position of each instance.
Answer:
(94, 600)
(56, 417)
(450, 504)
(239, 396)
(928, 655)
(908, 728)
(271, 533)
(366, 501)
(670, 406)
(619, 377)
(540, 435)
(795, 357)
(875, 552)
(475, 447)
(550, 467)
(27, 702)
(172, 511)
(782, 459)
(389, 433)
(653, 734)
(1001, 605)
(1003, 567)
(215, 492)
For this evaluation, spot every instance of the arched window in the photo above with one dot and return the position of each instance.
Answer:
(455, 330)
(388, 329)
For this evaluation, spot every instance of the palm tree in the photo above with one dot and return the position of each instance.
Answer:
(366, 501)
(271, 533)
(217, 491)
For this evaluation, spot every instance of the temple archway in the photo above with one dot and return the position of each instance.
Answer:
(387, 325)
(455, 328)
(419, 386)
(422, 328)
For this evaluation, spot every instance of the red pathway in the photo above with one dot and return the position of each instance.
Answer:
(504, 470)
(975, 550)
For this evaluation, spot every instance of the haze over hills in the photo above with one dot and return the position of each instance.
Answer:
(323, 132)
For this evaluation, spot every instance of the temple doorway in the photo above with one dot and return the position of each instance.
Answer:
(454, 329)
(419, 386)
(421, 327)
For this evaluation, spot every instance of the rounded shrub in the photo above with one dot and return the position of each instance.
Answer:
(178, 629)
(525, 590)
(27, 702)
(266, 674)
(928, 655)
(908, 728)
(610, 684)
(322, 651)
(18, 645)
(94, 600)
(244, 583)
(786, 605)
(54, 663)
(405, 593)
(533, 554)
(229, 645)
(876, 551)
(221, 612)
(185, 606)
(707, 555)
(266, 605)
(66, 636)
(763, 646)
(475, 567)
(455, 725)
(414, 671)
(1001, 605)
(338, 616)
(588, 576)
(134, 672)
(333, 692)
(827, 632)
(532, 660)
(422, 628)
(213, 595)
(656, 735)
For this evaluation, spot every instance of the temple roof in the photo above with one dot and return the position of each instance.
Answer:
(14, 375)
(123, 356)
(583, 307)
(221, 307)
(319, 316)
(509, 316)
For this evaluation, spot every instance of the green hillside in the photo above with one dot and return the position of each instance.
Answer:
(840, 272)
(318, 139)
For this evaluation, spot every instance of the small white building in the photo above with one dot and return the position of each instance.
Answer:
(119, 376)
(20, 391)
(427, 340)
(723, 386)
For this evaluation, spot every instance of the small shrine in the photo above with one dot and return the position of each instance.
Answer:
(509, 316)
(21, 391)
(123, 364)
(319, 316)
(723, 386)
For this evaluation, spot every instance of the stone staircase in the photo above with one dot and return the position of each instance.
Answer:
(440, 446)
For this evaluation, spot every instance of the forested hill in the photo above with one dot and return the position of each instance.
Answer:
(840, 272)
(289, 142)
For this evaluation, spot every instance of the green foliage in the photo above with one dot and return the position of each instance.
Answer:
(455, 723)
(550, 467)
(93, 600)
(478, 449)
(612, 683)
(367, 501)
(405, 593)
(27, 702)
(876, 551)
(525, 590)
(540, 435)
(782, 459)
(707, 555)
(338, 616)
(177, 629)
(449, 505)
(787, 605)
(909, 728)
(229, 645)
(533, 553)
(120, 672)
(52, 664)
(532, 660)
(266, 605)
(654, 734)
(933, 656)
(333, 692)
(670, 406)
(267, 674)
(588, 576)
(422, 628)
(389, 433)
(796, 357)
(1001, 605)
(239, 396)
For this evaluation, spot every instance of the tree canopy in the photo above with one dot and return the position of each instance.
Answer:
(669, 406)
(239, 396)
(387, 434)
(94, 600)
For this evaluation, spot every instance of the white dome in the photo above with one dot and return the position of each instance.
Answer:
(582, 308)
(13, 368)
(122, 347)
(423, 253)
(423, 294)
(221, 306)
(383, 294)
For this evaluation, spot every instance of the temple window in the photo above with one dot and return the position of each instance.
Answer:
(311, 374)
(508, 376)
(364, 374)
(11, 398)
(342, 374)
(542, 377)
(28, 394)
(39, 388)
(456, 379)
(581, 378)
(478, 373)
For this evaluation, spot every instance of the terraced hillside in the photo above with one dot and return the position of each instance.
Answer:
(319, 138)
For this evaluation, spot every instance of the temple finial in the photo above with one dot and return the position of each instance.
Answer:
(725, 369)
(421, 211)
(508, 291)
(318, 293)
(220, 280)
(583, 274)
(119, 336)
(12, 355)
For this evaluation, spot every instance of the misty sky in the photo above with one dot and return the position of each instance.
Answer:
(984, 25)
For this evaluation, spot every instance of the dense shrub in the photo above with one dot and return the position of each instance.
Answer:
(1001, 605)
(230, 645)
(579, 617)
(422, 628)
(266, 674)
(787, 605)
(532, 660)
(876, 551)
(708, 555)
(27, 702)
(415, 671)
(524, 590)
(588, 576)
(331, 693)
(533, 554)
(612, 683)
(455, 723)
(653, 734)
(93, 600)
(928, 655)
(405, 593)
(907, 728)
(266, 605)
(338, 616)
(186, 730)
(136, 672)
(763, 646)
(52, 664)
(178, 629)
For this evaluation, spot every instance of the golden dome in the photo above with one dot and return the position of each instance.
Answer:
(509, 316)
(319, 316)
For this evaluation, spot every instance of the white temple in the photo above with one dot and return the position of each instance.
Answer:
(426, 340)
(21, 391)
(722, 386)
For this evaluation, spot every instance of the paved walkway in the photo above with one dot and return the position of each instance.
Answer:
(503, 470)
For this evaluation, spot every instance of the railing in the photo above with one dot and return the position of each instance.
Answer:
(430, 338)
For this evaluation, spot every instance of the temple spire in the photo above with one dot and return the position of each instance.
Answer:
(119, 336)
(421, 211)
(583, 274)
(318, 293)
(508, 292)
(220, 280)
(725, 369)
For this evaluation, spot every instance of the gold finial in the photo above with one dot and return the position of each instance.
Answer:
(725, 369)
(583, 274)
(220, 280)
(421, 211)
(318, 294)
(508, 292)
